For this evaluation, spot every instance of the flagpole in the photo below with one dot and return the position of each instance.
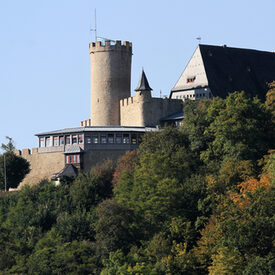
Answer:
(5, 173)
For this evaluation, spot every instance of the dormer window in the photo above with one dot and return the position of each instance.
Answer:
(190, 79)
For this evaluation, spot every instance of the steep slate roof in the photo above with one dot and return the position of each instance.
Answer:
(143, 84)
(233, 69)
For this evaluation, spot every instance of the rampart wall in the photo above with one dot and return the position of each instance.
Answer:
(42, 165)
(144, 110)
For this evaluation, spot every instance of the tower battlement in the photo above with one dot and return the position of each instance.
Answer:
(109, 46)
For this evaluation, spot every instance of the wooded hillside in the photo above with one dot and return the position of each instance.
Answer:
(193, 200)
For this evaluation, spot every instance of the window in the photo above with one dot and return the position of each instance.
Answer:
(126, 138)
(134, 138)
(75, 158)
(110, 138)
(118, 138)
(42, 142)
(80, 139)
(61, 141)
(103, 139)
(88, 139)
(74, 139)
(67, 139)
(48, 142)
(190, 79)
(55, 141)
(68, 159)
(95, 139)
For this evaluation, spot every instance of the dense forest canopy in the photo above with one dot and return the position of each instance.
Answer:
(194, 200)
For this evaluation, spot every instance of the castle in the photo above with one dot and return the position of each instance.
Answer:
(118, 121)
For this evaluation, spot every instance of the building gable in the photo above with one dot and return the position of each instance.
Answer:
(194, 74)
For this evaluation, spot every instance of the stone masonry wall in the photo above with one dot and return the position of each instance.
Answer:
(42, 165)
(110, 80)
(143, 110)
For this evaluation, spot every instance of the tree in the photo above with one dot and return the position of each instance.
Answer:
(240, 127)
(195, 124)
(270, 99)
(15, 167)
(161, 187)
(9, 147)
(113, 227)
(126, 163)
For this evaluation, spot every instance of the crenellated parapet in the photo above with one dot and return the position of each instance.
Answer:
(26, 152)
(144, 110)
(110, 46)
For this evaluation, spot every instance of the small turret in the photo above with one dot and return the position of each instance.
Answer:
(143, 85)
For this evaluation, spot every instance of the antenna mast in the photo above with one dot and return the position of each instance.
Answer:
(94, 30)
(199, 39)
(95, 27)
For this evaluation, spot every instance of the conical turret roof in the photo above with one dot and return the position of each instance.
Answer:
(143, 84)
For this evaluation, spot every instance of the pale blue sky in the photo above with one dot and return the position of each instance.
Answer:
(44, 57)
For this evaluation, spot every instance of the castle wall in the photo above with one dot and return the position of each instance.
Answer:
(144, 110)
(94, 157)
(42, 165)
(110, 80)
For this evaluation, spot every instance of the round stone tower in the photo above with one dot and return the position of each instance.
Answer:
(110, 80)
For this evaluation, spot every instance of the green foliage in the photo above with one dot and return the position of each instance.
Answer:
(125, 164)
(90, 189)
(195, 124)
(16, 169)
(76, 226)
(240, 127)
(9, 147)
(194, 200)
(113, 227)
(270, 99)
(67, 258)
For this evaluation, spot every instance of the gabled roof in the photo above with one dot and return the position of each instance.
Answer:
(233, 69)
(69, 170)
(143, 84)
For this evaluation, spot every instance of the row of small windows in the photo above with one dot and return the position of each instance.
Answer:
(113, 139)
(190, 96)
(73, 159)
(59, 140)
(93, 139)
